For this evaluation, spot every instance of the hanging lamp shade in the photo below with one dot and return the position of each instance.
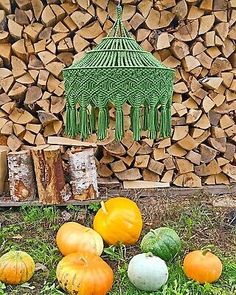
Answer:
(118, 71)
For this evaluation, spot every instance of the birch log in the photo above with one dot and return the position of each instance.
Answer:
(3, 167)
(83, 173)
(21, 176)
(52, 188)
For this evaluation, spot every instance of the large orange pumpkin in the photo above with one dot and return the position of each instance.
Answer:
(202, 266)
(83, 273)
(73, 237)
(119, 220)
(16, 267)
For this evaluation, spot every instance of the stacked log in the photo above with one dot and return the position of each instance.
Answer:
(21, 176)
(49, 174)
(38, 38)
(4, 168)
(48, 167)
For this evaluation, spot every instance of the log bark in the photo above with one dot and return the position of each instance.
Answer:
(83, 174)
(51, 185)
(21, 176)
(4, 169)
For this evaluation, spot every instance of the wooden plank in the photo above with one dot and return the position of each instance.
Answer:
(57, 140)
(144, 184)
(106, 192)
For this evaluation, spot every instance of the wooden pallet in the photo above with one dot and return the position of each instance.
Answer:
(114, 190)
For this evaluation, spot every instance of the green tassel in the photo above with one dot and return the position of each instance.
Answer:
(71, 121)
(131, 117)
(165, 126)
(107, 116)
(157, 120)
(136, 123)
(152, 123)
(145, 117)
(93, 119)
(119, 132)
(102, 123)
(84, 122)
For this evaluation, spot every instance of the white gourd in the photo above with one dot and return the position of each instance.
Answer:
(147, 272)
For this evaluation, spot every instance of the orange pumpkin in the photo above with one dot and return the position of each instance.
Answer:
(73, 237)
(16, 267)
(119, 220)
(83, 273)
(202, 266)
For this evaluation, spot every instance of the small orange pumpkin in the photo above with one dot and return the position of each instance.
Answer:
(73, 237)
(16, 267)
(202, 266)
(119, 220)
(83, 273)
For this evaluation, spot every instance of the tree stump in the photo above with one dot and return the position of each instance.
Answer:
(3, 167)
(52, 188)
(21, 176)
(83, 174)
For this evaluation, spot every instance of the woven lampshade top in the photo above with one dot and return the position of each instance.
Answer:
(118, 71)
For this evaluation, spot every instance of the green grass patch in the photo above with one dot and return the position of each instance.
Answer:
(33, 229)
(178, 284)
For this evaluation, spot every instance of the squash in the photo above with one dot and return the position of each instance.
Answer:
(16, 267)
(147, 272)
(73, 237)
(163, 242)
(119, 221)
(202, 266)
(84, 273)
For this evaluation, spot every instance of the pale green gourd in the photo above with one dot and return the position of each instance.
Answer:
(147, 272)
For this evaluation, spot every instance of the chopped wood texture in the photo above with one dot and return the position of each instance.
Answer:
(21, 176)
(83, 174)
(51, 185)
(188, 180)
(4, 169)
(196, 38)
(130, 174)
(118, 166)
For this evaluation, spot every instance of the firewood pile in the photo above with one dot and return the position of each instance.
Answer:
(44, 174)
(39, 38)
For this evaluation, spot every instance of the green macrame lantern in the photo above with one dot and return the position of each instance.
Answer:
(118, 71)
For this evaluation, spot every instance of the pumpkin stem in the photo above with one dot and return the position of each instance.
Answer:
(149, 254)
(205, 251)
(104, 209)
(83, 259)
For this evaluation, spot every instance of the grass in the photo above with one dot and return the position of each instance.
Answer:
(198, 223)
(178, 284)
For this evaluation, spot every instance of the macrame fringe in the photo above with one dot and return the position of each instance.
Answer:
(152, 122)
(119, 131)
(102, 123)
(145, 116)
(131, 117)
(157, 122)
(107, 116)
(165, 126)
(135, 121)
(71, 128)
(93, 119)
(84, 122)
